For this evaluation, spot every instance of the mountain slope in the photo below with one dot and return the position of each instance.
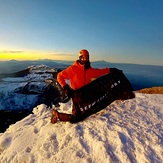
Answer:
(126, 131)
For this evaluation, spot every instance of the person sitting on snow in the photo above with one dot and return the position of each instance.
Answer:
(79, 74)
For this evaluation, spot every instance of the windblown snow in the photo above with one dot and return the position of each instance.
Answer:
(129, 131)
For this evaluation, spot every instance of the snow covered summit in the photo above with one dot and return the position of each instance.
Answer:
(22, 90)
(129, 131)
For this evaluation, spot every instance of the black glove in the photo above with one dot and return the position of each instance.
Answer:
(67, 90)
(114, 70)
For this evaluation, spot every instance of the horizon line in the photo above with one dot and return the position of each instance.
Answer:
(76, 59)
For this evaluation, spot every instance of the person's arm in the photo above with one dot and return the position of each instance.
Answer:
(63, 76)
(102, 71)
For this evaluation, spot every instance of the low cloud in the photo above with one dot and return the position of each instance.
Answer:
(11, 51)
(62, 54)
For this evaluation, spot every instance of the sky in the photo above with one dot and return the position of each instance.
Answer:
(128, 31)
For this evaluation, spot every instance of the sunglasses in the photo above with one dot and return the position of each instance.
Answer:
(84, 57)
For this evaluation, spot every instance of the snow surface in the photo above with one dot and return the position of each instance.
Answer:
(125, 131)
(12, 96)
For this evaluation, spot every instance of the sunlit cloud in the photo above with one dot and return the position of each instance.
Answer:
(10, 51)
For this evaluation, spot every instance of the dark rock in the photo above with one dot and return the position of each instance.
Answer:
(8, 117)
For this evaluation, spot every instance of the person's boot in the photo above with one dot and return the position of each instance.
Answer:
(56, 116)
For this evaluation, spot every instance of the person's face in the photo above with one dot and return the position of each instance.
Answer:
(84, 59)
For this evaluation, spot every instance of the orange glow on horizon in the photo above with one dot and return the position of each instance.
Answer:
(34, 56)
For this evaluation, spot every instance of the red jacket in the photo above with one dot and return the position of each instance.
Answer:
(78, 76)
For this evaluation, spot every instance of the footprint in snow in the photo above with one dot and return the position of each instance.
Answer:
(85, 145)
(128, 146)
(5, 144)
